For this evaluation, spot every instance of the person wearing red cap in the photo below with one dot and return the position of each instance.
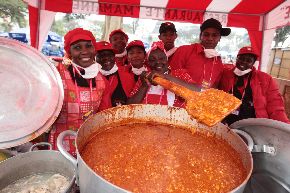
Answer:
(118, 78)
(168, 35)
(257, 90)
(84, 86)
(136, 56)
(147, 93)
(119, 40)
(201, 60)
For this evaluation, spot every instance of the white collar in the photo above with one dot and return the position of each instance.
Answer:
(171, 51)
(122, 54)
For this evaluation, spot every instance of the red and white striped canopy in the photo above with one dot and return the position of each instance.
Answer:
(248, 14)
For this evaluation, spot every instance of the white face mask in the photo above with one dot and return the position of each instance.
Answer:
(138, 71)
(239, 72)
(210, 53)
(90, 71)
(107, 73)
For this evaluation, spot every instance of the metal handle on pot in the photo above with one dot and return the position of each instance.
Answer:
(40, 144)
(247, 137)
(62, 150)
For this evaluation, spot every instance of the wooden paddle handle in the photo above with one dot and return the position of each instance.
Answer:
(175, 88)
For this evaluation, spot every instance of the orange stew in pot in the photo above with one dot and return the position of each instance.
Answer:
(159, 158)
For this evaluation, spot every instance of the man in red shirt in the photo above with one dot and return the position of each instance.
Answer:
(201, 61)
(119, 40)
(257, 90)
(168, 36)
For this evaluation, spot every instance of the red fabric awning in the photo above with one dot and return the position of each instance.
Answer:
(234, 13)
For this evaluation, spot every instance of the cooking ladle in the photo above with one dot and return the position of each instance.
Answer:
(209, 106)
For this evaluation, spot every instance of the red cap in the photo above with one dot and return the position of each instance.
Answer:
(118, 31)
(103, 45)
(75, 35)
(247, 50)
(138, 43)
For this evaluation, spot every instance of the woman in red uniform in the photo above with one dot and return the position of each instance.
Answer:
(119, 80)
(84, 86)
(146, 93)
(136, 56)
(257, 90)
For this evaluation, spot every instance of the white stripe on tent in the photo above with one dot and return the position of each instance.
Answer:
(279, 16)
(224, 6)
(220, 8)
(153, 9)
(33, 3)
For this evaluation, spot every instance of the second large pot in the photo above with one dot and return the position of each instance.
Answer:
(89, 181)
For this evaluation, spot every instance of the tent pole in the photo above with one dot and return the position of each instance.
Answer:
(39, 2)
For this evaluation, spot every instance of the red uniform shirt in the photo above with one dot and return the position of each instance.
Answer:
(77, 102)
(268, 102)
(159, 95)
(193, 60)
(126, 80)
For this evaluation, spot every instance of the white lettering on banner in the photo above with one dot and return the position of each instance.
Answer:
(152, 13)
(221, 17)
(85, 7)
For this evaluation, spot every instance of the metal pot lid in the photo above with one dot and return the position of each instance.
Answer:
(271, 154)
(31, 93)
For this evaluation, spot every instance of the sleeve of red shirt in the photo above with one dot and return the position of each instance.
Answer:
(275, 104)
(106, 99)
(178, 59)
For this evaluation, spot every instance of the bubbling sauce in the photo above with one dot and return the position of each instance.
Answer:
(159, 158)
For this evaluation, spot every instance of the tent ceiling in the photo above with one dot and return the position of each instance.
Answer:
(248, 14)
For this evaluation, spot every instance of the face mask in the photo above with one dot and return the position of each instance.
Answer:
(90, 71)
(238, 72)
(210, 53)
(107, 73)
(138, 71)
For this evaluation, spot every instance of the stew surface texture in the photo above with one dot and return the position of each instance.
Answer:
(159, 158)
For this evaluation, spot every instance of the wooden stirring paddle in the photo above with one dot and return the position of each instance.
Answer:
(209, 106)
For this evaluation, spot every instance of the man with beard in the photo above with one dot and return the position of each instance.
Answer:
(119, 40)
(201, 60)
(168, 36)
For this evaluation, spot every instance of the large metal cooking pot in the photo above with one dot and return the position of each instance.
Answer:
(271, 154)
(91, 182)
(36, 162)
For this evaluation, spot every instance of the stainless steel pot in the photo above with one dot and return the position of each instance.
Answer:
(271, 154)
(34, 162)
(91, 182)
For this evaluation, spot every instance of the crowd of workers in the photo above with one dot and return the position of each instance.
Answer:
(100, 75)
